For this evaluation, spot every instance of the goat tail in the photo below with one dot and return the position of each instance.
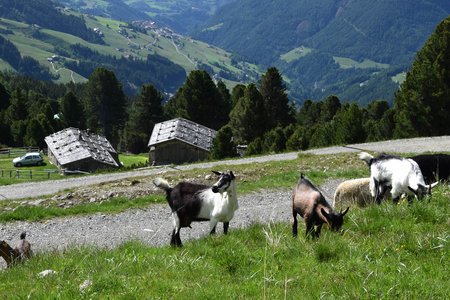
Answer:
(366, 157)
(161, 183)
(23, 235)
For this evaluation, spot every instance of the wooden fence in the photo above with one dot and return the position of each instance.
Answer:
(27, 174)
(14, 152)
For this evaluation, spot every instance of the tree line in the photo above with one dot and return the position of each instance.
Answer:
(259, 115)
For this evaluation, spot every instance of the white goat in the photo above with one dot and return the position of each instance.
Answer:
(191, 202)
(403, 175)
(354, 191)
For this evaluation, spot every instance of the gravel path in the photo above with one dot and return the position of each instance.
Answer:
(153, 225)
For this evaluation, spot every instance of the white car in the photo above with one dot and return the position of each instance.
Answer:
(29, 159)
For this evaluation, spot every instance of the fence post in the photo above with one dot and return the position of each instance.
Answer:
(48, 174)
(10, 174)
(17, 173)
(31, 174)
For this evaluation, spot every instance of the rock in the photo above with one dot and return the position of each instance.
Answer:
(86, 284)
(45, 273)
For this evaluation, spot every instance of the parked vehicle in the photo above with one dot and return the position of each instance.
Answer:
(29, 159)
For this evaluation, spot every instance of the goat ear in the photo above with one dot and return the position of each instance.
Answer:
(232, 175)
(412, 190)
(324, 213)
(346, 211)
(217, 173)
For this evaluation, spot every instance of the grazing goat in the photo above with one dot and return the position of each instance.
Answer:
(192, 202)
(21, 251)
(434, 167)
(354, 191)
(311, 205)
(402, 175)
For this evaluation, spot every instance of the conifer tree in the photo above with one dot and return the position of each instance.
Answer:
(105, 105)
(223, 145)
(422, 105)
(145, 112)
(248, 119)
(275, 99)
(199, 100)
(72, 111)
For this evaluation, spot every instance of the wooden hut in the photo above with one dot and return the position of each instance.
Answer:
(72, 149)
(179, 141)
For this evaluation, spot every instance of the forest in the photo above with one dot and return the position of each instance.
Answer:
(259, 115)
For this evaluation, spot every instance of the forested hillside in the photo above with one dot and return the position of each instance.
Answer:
(63, 45)
(328, 46)
(183, 16)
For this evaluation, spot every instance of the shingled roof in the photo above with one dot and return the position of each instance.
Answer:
(72, 144)
(183, 130)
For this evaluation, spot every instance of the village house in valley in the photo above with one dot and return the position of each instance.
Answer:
(179, 141)
(73, 149)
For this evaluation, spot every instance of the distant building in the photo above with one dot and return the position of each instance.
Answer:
(73, 149)
(180, 141)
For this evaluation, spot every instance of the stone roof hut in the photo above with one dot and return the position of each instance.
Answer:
(179, 141)
(74, 149)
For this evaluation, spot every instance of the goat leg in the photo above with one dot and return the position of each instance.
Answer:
(318, 230)
(294, 225)
(225, 227)
(310, 230)
(176, 240)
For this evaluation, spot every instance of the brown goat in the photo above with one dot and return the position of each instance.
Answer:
(311, 205)
(21, 251)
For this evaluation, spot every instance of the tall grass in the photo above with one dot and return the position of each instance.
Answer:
(385, 252)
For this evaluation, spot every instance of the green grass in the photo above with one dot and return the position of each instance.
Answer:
(346, 63)
(295, 54)
(387, 251)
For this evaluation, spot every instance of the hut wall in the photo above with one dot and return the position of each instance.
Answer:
(86, 165)
(176, 152)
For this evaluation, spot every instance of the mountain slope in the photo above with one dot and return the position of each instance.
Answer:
(138, 54)
(308, 40)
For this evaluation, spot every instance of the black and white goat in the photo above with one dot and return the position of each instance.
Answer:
(191, 202)
(402, 175)
(311, 205)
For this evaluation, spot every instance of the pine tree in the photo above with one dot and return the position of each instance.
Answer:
(248, 119)
(348, 125)
(223, 145)
(200, 100)
(72, 111)
(275, 99)
(145, 112)
(422, 105)
(237, 93)
(105, 105)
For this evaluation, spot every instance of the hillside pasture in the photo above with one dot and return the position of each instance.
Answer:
(347, 63)
(385, 251)
(295, 54)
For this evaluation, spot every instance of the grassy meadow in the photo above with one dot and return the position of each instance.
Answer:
(387, 251)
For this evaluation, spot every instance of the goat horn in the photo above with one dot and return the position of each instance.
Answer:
(433, 185)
